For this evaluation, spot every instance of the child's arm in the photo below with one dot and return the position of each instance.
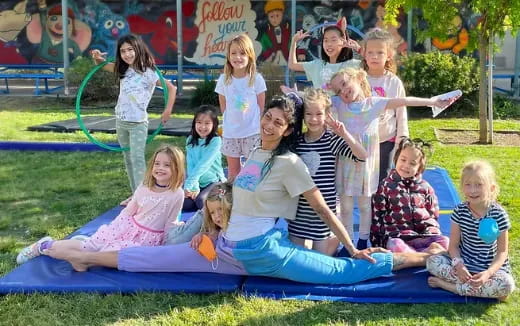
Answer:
(394, 103)
(175, 202)
(260, 99)
(432, 203)
(401, 117)
(209, 153)
(222, 102)
(339, 129)
(293, 60)
(99, 57)
(502, 244)
(172, 95)
(453, 249)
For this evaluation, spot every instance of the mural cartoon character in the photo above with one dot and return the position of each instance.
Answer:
(277, 38)
(12, 22)
(109, 28)
(458, 39)
(163, 32)
(47, 31)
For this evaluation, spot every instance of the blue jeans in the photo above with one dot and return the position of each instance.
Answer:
(273, 254)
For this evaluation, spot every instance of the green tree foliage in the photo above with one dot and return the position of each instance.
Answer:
(495, 18)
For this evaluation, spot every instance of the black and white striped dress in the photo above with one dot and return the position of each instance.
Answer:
(477, 254)
(320, 158)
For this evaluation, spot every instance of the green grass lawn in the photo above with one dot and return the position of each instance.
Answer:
(56, 192)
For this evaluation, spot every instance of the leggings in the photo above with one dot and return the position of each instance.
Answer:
(500, 284)
(191, 205)
(270, 254)
(416, 245)
(133, 136)
(365, 215)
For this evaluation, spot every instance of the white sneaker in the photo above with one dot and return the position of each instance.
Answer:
(80, 237)
(31, 251)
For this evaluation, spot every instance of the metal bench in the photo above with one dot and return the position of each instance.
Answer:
(46, 73)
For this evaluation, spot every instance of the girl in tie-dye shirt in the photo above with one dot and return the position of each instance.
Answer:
(241, 94)
(359, 111)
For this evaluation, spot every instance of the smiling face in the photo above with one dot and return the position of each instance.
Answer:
(332, 43)
(314, 117)
(476, 190)
(162, 169)
(347, 88)
(237, 58)
(273, 126)
(203, 125)
(215, 210)
(409, 162)
(376, 54)
(127, 53)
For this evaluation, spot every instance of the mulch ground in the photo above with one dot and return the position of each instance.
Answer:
(466, 137)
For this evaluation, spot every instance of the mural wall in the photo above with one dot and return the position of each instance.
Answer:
(31, 30)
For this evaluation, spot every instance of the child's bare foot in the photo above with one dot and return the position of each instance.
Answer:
(126, 201)
(286, 89)
(76, 259)
(435, 249)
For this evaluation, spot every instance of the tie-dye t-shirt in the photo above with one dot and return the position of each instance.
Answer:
(277, 193)
(242, 114)
(320, 72)
(361, 119)
(135, 92)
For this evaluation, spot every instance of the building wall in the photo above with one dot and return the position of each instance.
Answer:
(30, 35)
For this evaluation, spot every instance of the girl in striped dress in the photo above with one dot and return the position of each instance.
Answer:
(477, 265)
(319, 148)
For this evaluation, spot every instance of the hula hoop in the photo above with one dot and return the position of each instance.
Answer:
(80, 120)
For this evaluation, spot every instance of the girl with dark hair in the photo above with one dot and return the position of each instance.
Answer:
(336, 54)
(135, 69)
(203, 158)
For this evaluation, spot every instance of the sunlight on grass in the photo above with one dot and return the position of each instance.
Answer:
(55, 193)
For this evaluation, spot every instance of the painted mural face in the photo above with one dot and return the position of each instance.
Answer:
(275, 17)
(332, 43)
(238, 57)
(55, 27)
(127, 53)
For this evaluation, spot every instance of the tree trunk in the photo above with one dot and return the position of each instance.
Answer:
(482, 93)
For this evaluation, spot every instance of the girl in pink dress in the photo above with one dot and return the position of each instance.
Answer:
(152, 211)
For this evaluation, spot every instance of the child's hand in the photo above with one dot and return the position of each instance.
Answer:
(442, 103)
(165, 116)
(286, 89)
(196, 240)
(98, 56)
(462, 273)
(300, 35)
(335, 125)
(352, 44)
(479, 279)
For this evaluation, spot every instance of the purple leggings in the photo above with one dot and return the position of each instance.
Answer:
(416, 245)
(179, 258)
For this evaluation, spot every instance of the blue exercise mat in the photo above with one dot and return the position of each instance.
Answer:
(44, 274)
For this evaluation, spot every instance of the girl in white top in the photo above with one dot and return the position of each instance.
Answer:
(135, 70)
(358, 110)
(336, 54)
(378, 61)
(241, 95)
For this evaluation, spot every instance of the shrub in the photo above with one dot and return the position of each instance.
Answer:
(102, 86)
(205, 93)
(433, 73)
(505, 108)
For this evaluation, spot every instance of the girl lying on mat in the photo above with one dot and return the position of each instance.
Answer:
(405, 208)
(266, 188)
(477, 264)
(151, 212)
